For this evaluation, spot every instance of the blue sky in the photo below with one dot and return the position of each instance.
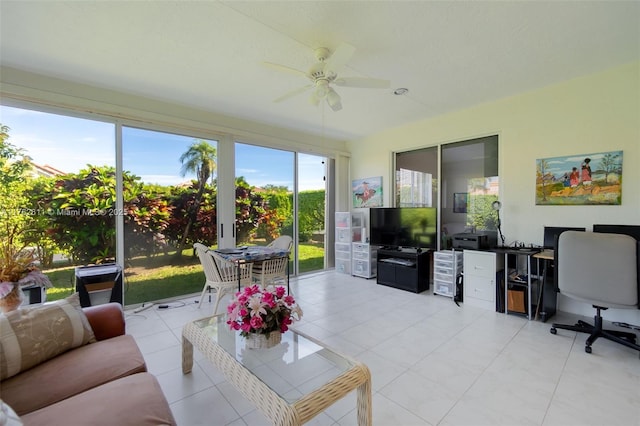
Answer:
(69, 144)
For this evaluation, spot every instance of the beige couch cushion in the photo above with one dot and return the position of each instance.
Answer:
(135, 400)
(73, 372)
(30, 336)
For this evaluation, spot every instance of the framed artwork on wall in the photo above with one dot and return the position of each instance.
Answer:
(584, 179)
(460, 200)
(367, 192)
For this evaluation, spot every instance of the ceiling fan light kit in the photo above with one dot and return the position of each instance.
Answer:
(334, 101)
(325, 72)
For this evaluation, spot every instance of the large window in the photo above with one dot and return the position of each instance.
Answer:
(416, 182)
(469, 184)
(81, 205)
(64, 205)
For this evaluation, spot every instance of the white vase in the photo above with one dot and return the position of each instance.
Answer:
(263, 341)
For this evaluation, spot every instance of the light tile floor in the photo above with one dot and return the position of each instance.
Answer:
(432, 362)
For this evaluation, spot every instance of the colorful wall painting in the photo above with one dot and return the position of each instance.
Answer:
(585, 179)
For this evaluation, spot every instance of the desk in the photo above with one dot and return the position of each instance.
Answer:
(309, 376)
(483, 285)
(245, 255)
(548, 296)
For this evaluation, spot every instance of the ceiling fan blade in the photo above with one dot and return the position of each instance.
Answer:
(339, 58)
(367, 83)
(283, 68)
(293, 93)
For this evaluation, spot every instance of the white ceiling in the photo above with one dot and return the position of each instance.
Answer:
(209, 55)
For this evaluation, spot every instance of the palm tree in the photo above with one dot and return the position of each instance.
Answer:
(200, 159)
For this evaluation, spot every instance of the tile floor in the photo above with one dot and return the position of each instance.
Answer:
(432, 362)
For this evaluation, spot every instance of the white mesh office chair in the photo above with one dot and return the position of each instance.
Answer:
(600, 269)
(220, 274)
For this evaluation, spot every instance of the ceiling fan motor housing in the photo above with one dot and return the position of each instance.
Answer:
(322, 53)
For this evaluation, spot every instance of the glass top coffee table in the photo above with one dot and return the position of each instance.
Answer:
(290, 383)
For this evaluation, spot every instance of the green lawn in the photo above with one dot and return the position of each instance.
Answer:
(163, 277)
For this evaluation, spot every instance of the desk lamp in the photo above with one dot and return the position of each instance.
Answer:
(496, 205)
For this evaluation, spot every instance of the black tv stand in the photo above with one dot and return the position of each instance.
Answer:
(406, 270)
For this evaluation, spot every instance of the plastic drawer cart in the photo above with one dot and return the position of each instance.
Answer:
(447, 267)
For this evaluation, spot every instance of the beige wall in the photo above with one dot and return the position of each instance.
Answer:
(594, 113)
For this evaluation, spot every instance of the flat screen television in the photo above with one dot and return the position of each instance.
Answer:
(394, 227)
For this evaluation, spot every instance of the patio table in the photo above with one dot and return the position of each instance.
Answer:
(243, 255)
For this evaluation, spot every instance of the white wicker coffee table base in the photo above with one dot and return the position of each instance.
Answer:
(275, 408)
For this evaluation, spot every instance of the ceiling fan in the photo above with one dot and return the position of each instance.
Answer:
(324, 73)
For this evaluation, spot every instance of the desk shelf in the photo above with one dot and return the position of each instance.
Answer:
(519, 292)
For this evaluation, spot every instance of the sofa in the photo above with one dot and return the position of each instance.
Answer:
(101, 380)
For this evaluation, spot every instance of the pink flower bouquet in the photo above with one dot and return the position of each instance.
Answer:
(262, 310)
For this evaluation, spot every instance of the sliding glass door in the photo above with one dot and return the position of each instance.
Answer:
(281, 193)
(169, 197)
(311, 202)
(264, 194)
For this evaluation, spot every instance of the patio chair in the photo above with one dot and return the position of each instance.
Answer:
(270, 271)
(283, 242)
(220, 274)
(273, 270)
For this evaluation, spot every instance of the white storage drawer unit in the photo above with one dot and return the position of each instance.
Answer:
(447, 267)
(348, 229)
(343, 255)
(480, 269)
(343, 266)
(343, 235)
(343, 247)
(364, 259)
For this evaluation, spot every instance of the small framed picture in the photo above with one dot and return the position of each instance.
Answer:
(460, 200)
(367, 192)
